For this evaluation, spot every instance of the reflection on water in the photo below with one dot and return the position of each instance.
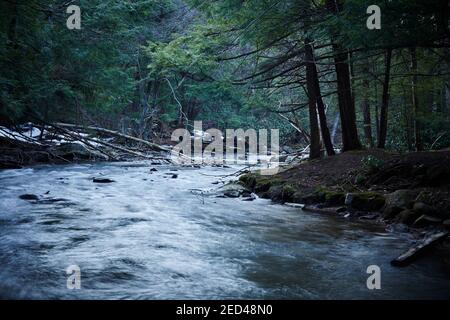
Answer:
(147, 236)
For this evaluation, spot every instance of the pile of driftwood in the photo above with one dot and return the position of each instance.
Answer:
(63, 142)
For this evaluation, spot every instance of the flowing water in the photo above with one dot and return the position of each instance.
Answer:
(150, 236)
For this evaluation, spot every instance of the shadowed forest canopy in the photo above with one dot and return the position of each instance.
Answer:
(311, 68)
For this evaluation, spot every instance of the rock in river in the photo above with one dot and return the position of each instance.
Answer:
(29, 197)
(102, 180)
(234, 190)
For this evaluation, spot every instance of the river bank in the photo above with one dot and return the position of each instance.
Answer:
(404, 192)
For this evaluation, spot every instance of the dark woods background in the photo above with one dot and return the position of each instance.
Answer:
(310, 68)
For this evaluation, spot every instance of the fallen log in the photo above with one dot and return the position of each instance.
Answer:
(151, 145)
(419, 249)
(83, 139)
(77, 137)
(12, 135)
(126, 150)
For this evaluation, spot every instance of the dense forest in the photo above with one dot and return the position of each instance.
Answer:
(99, 201)
(311, 68)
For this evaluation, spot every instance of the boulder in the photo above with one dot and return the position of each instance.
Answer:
(232, 194)
(263, 185)
(366, 201)
(407, 216)
(424, 209)
(332, 198)
(29, 197)
(234, 190)
(401, 198)
(102, 180)
(390, 213)
(248, 180)
(280, 193)
(308, 199)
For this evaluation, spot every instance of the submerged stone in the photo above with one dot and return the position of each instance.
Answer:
(102, 180)
(29, 197)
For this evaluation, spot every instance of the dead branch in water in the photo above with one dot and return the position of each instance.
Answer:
(85, 140)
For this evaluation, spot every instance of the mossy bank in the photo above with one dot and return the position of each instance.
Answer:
(412, 190)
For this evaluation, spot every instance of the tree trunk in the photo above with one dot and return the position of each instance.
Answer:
(314, 148)
(415, 102)
(350, 138)
(407, 119)
(377, 112)
(385, 101)
(322, 116)
(365, 108)
(446, 104)
(304, 134)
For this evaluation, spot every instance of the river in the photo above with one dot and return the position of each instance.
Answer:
(150, 236)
